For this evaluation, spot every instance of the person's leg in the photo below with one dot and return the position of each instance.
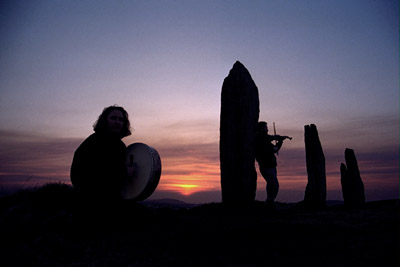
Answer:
(270, 176)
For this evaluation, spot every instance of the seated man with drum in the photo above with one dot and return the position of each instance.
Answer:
(98, 167)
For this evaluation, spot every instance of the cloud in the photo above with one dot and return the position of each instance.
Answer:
(364, 133)
(192, 166)
(26, 154)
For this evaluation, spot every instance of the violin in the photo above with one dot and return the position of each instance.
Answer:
(279, 137)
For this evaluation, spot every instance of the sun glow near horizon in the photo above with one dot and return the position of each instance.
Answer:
(184, 189)
(188, 185)
(191, 170)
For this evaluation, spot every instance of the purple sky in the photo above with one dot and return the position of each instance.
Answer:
(331, 63)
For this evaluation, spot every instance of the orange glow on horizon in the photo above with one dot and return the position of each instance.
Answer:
(185, 189)
(193, 172)
(188, 174)
(187, 185)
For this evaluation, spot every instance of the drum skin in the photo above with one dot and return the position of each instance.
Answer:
(147, 172)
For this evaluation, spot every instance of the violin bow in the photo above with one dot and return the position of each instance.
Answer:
(277, 153)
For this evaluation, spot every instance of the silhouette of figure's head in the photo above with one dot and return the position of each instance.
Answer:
(114, 120)
(262, 127)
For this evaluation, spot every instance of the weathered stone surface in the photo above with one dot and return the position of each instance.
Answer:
(238, 121)
(315, 195)
(352, 185)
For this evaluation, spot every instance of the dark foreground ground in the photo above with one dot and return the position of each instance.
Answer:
(41, 228)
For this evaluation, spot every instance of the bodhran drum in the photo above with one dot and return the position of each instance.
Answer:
(147, 171)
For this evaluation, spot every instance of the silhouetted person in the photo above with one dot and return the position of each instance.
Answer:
(265, 156)
(98, 167)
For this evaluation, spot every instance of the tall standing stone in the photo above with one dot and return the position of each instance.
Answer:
(352, 185)
(239, 118)
(315, 195)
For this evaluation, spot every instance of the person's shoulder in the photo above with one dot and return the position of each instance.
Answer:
(92, 137)
(86, 144)
(91, 140)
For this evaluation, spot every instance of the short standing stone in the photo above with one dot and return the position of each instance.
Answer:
(315, 195)
(239, 118)
(352, 185)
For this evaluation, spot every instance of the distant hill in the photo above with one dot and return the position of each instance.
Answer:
(167, 202)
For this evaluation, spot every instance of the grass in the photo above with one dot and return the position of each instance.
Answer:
(40, 227)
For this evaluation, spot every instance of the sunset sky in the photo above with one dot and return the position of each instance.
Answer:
(334, 64)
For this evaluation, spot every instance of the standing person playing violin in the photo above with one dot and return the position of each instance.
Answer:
(265, 155)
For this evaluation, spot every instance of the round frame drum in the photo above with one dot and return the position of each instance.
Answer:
(147, 171)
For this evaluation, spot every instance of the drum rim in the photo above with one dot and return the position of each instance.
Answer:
(152, 183)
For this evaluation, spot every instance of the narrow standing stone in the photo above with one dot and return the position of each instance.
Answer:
(315, 195)
(238, 122)
(352, 185)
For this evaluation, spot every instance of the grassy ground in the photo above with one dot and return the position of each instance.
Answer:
(42, 228)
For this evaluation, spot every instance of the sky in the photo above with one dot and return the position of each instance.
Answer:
(334, 64)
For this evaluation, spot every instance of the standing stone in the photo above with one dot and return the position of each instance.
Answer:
(238, 122)
(315, 195)
(352, 185)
